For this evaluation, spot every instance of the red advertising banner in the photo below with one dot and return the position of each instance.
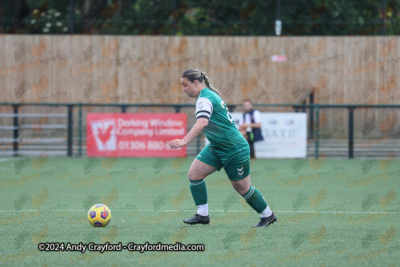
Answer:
(134, 134)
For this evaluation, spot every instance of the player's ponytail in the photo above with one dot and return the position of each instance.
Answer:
(207, 82)
(195, 74)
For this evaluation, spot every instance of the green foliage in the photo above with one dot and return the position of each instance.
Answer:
(189, 17)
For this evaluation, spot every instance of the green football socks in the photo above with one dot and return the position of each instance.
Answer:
(255, 199)
(199, 192)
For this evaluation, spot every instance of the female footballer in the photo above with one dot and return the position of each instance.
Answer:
(227, 148)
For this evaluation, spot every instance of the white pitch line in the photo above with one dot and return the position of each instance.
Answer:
(283, 211)
(7, 159)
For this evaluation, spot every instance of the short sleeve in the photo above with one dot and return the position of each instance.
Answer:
(257, 116)
(204, 108)
(241, 120)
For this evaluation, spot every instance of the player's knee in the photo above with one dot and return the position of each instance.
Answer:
(195, 175)
(241, 188)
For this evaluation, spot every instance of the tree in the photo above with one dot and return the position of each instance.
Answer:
(199, 17)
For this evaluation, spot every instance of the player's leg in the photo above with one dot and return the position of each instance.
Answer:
(200, 170)
(197, 172)
(203, 165)
(256, 200)
(238, 171)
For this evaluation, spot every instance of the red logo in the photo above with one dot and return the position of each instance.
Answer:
(104, 134)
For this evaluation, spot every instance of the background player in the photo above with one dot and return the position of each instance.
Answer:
(227, 149)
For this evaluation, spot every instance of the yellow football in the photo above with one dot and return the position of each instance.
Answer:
(99, 215)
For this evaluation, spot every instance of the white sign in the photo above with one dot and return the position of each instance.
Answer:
(285, 135)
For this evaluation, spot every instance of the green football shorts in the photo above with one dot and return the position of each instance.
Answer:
(236, 163)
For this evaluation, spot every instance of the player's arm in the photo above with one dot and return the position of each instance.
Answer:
(197, 129)
(204, 110)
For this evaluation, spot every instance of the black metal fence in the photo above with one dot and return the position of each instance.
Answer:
(313, 110)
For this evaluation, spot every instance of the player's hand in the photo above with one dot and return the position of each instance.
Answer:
(177, 143)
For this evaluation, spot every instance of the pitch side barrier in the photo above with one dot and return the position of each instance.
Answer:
(14, 140)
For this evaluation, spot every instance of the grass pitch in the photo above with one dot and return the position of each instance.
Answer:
(330, 212)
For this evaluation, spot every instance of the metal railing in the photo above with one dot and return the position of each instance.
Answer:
(311, 108)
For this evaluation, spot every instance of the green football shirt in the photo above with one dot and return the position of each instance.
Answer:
(221, 130)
